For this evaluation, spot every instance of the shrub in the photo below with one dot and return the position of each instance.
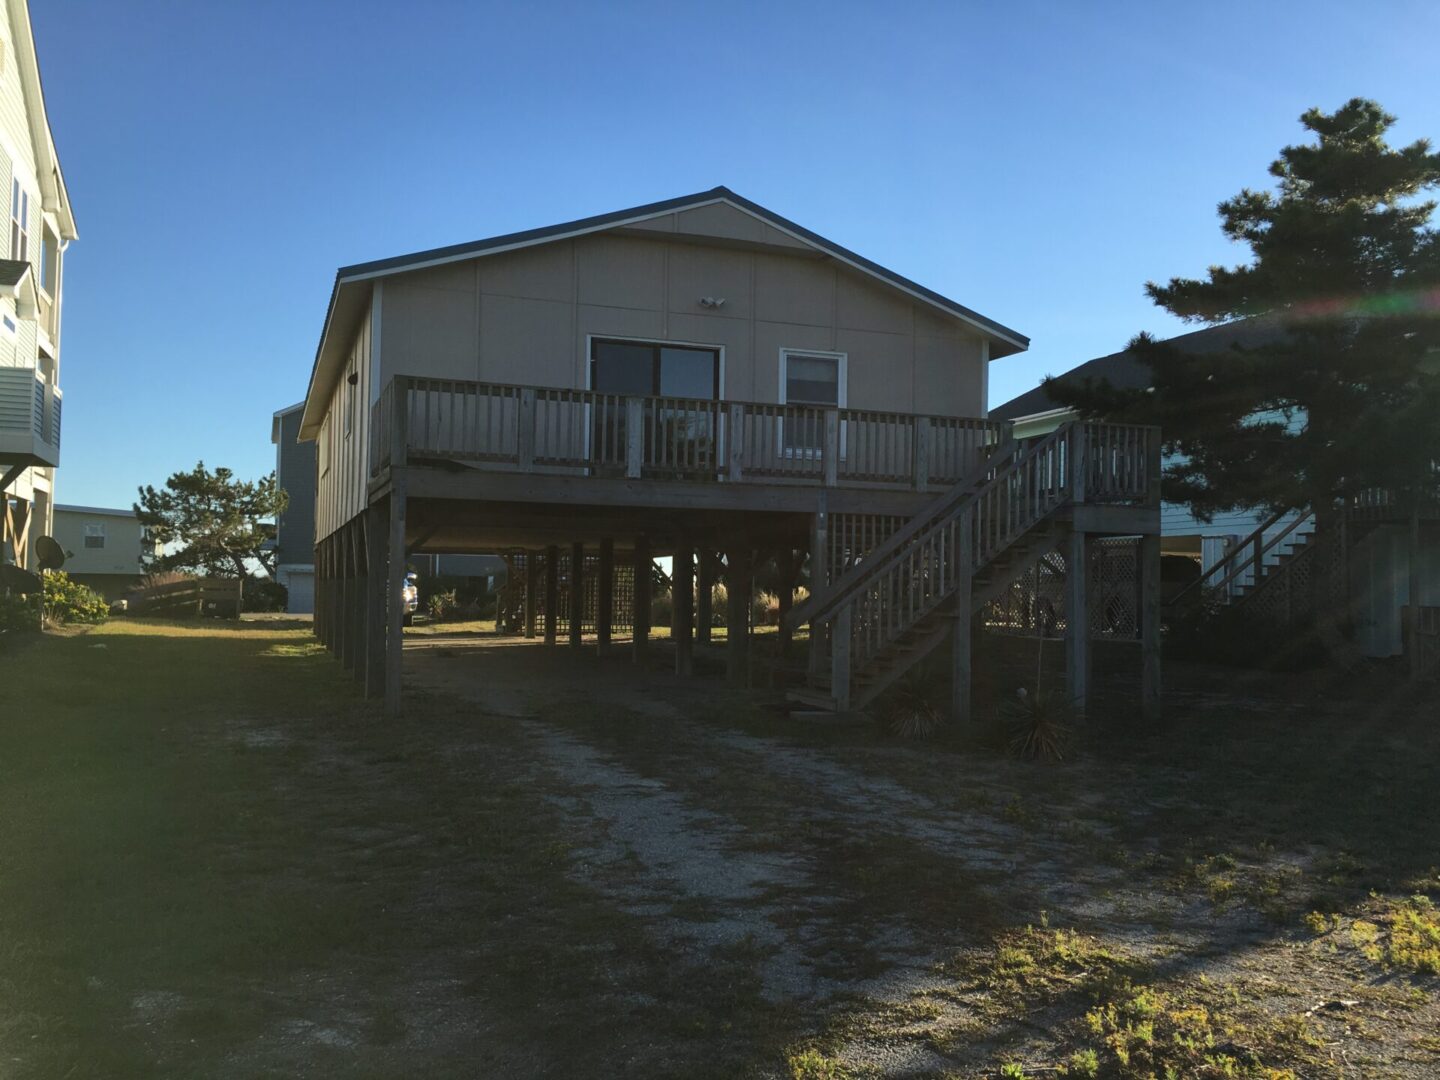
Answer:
(1038, 725)
(443, 605)
(1414, 943)
(19, 614)
(914, 709)
(719, 603)
(264, 594)
(68, 601)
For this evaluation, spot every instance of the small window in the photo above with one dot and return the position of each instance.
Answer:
(95, 534)
(325, 447)
(810, 378)
(19, 216)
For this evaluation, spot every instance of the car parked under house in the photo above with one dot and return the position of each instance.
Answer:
(703, 379)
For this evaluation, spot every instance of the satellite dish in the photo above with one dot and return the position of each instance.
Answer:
(49, 554)
(21, 581)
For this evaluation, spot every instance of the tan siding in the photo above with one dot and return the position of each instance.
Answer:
(882, 370)
(624, 272)
(341, 488)
(794, 290)
(525, 316)
(526, 341)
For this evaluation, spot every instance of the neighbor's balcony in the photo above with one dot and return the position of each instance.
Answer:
(584, 432)
(29, 418)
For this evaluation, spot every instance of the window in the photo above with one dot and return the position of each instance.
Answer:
(95, 534)
(49, 260)
(680, 436)
(810, 378)
(324, 445)
(653, 369)
(19, 216)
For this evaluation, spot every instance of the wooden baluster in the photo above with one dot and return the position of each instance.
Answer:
(735, 439)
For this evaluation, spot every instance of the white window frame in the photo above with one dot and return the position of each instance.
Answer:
(841, 393)
(95, 529)
(19, 220)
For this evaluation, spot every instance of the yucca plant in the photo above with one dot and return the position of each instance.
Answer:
(911, 711)
(1038, 725)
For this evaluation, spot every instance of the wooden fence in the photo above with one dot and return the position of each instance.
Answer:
(188, 599)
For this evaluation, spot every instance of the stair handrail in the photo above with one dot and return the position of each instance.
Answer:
(819, 606)
(954, 546)
(1257, 552)
(822, 603)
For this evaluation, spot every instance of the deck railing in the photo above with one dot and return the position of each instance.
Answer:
(546, 429)
(875, 603)
(30, 415)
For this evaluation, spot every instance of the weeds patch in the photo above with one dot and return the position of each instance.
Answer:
(1129, 1021)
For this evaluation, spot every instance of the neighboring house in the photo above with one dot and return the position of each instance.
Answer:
(695, 377)
(295, 531)
(1382, 557)
(104, 548)
(489, 568)
(32, 252)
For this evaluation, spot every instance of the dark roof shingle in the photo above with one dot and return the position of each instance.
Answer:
(1125, 371)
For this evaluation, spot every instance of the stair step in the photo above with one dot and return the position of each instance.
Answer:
(815, 700)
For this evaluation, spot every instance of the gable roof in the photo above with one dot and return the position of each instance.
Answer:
(1124, 371)
(345, 297)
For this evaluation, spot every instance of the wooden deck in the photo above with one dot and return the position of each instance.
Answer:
(535, 453)
(458, 466)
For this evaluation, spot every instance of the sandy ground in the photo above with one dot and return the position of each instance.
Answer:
(753, 835)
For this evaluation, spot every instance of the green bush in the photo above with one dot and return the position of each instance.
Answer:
(264, 594)
(19, 613)
(67, 601)
(443, 605)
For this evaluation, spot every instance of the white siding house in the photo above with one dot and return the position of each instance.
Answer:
(104, 547)
(32, 252)
(1385, 561)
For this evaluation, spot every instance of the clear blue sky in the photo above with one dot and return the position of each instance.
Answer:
(1036, 162)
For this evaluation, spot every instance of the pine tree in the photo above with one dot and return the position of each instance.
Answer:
(1344, 393)
(211, 522)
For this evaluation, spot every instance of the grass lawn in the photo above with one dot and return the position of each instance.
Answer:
(219, 861)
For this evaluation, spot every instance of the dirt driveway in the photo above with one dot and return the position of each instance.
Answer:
(221, 861)
(906, 910)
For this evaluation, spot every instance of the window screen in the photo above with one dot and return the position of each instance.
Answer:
(812, 380)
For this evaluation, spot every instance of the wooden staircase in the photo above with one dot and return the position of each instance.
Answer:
(901, 601)
(1256, 563)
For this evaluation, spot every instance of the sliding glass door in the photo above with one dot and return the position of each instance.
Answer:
(679, 435)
